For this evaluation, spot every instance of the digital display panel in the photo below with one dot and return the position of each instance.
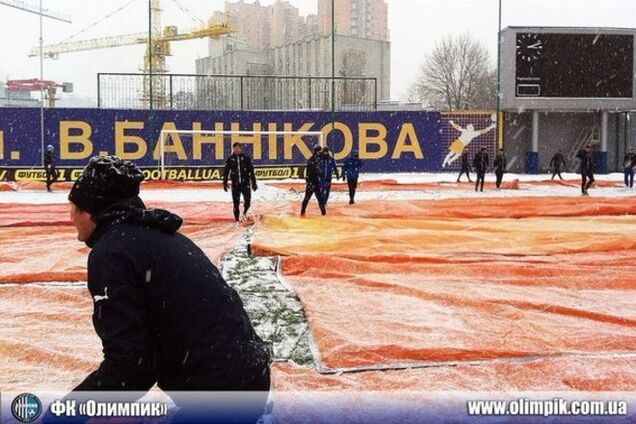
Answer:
(574, 65)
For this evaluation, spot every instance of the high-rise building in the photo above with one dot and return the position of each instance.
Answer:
(356, 18)
(276, 41)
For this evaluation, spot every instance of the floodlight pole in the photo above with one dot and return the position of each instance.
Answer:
(150, 53)
(41, 86)
(333, 67)
(498, 124)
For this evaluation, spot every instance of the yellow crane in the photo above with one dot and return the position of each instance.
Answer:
(157, 48)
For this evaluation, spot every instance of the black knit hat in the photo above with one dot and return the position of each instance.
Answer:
(106, 180)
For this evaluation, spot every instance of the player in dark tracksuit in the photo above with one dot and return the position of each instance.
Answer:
(500, 167)
(163, 311)
(239, 169)
(587, 169)
(313, 174)
(351, 172)
(480, 163)
(629, 165)
(465, 168)
(556, 162)
(327, 167)
(49, 167)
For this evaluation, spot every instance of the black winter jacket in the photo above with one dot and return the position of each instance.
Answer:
(48, 159)
(557, 160)
(500, 163)
(162, 309)
(629, 161)
(240, 171)
(481, 162)
(587, 162)
(465, 163)
(313, 173)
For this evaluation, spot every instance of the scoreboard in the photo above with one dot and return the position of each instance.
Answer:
(573, 65)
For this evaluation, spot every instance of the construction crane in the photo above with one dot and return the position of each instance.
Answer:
(49, 88)
(157, 49)
(17, 4)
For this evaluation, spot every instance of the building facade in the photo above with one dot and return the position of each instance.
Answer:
(357, 18)
(276, 41)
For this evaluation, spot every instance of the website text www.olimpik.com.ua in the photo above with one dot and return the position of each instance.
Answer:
(547, 407)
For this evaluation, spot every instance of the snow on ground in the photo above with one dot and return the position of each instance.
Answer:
(267, 193)
(276, 312)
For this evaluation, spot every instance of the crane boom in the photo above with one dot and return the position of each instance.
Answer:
(18, 4)
(170, 34)
(53, 50)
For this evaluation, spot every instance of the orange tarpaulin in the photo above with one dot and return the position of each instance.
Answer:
(363, 237)
(393, 185)
(47, 339)
(145, 185)
(426, 314)
(41, 254)
(27, 215)
(430, 286)
(584, 373)
(441, 394)
(23, 214)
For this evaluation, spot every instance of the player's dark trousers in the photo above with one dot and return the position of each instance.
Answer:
(629, 178)
(51, 175)
(353, 184)
(325, 189)
(587, 179)
(557, 171)
(236, 199)
(467, 171)
(479, 182)
(499, 175)
(311, 189)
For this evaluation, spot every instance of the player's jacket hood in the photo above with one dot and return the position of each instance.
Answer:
(133, 210)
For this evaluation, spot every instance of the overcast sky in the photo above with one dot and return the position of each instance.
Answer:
(414, 25)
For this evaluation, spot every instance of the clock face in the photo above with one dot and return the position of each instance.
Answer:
(529, 47)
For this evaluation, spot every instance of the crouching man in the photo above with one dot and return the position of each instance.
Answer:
(161, 308)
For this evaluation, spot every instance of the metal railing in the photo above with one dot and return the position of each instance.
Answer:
(234, 92)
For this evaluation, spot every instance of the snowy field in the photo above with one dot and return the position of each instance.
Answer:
(275, 311)
(267, 193)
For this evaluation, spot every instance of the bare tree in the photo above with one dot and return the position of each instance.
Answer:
(457, 75)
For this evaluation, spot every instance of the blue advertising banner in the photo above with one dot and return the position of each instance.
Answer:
(386, 141)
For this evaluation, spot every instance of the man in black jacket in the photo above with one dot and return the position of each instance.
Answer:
(465, 168)
(629, 163)
(556, 162)
(313, 173)
(500, 167)
(161, 308)
(587, 169)
(239, 169)
(327, 168)
(480, 163)
(49, 167)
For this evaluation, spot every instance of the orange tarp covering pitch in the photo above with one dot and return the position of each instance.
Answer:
(42, 254)
(374, 314)
(152, 185)
(363, 237)
(26, 215)
(47, 338)
(417, 289)
(393, 185)
(593, 373)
